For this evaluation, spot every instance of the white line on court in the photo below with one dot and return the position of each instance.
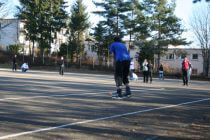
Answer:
(98, 119)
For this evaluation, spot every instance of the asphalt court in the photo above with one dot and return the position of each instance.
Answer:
(43, 105)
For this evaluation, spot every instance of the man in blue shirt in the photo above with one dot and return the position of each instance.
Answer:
(122, 66)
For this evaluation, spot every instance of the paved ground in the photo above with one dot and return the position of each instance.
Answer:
(45, 106)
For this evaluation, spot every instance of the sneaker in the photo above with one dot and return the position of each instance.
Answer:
(117, 94)
(128, 92)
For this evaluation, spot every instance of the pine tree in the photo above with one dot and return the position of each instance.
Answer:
(43, 19)
(165, 26)
(101, 45)
(27, 13)
(114, 15)
(77, 26)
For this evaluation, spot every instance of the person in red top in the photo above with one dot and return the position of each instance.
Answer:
(185, 68)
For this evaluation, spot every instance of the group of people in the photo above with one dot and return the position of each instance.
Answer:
(147, 69)
(24, 67)
(123, 66)
(123, 63)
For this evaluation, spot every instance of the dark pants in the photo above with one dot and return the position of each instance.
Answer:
(184, 76)
(122, 72)
(61, 69)
(14, 67)
(24, 70)
(145, 76)
(150, 76)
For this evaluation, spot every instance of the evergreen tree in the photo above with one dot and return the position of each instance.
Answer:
(27, 12)
(77, 26)
(165, 26)
(139, 31)
(114, 15)
(101, 45)
(130, 21)
(43, 19)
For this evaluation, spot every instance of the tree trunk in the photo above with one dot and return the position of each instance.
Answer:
(43, 57)
(33, 52)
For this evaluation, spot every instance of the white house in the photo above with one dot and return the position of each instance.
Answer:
(173, 59)
(11, 32)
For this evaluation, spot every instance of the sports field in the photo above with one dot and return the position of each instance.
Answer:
(39, 105)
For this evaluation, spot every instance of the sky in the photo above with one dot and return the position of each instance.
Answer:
(184, 10)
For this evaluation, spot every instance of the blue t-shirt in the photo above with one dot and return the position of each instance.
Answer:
(120, 51)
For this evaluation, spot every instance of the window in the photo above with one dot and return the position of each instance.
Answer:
(170, 56)
(183, 56)
(194, 71)
(195, 56)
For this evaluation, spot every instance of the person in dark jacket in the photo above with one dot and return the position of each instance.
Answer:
(14, 63)
(61, 66)
(150, 70)
(145, 71)
(161, 72)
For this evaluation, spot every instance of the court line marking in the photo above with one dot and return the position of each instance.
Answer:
(98, 119)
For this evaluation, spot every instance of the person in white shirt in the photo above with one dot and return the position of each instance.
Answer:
(145, 71)
(24, 67)
(132, 68)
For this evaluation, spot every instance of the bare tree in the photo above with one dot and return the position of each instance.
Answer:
(200, 24)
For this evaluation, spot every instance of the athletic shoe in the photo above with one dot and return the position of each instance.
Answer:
(128, 92)
(118, 94)
(115, 96)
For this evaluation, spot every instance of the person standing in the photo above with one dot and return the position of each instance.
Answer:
(185, 69)
(161, 72)
(132, 68)
(145, 71)
(150, 70)
(122, 67)
(61, 66)
(189, 72)
(14, 63)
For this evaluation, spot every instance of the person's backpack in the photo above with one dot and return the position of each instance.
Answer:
(185, 65)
